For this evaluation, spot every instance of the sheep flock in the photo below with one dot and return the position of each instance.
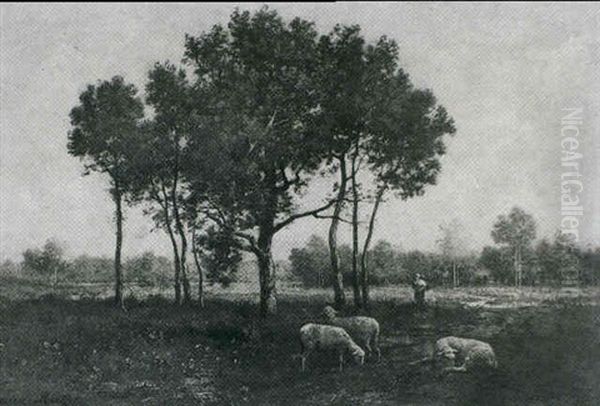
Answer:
(359, 335)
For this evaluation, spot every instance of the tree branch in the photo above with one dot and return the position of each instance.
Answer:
(293, 217)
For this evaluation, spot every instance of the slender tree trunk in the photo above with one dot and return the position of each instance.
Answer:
(519, 267)
(199, 269)
(454, 275)
(337, 277)
(355, 277)
(55, 278)
(187, 294)
(176, 260)
(118, 271)
(516, 265)
(365, 253)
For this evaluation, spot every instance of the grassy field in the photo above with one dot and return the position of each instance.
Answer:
(60, 351)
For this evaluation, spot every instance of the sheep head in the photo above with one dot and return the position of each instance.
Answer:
(358, 355)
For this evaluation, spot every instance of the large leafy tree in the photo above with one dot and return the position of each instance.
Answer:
(253, 149)
(104, 127)
(343, 106)
(406, 140)
(157, 173)
(516, 231)
(376, 119)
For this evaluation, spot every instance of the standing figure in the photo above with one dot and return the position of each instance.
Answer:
(419, 286)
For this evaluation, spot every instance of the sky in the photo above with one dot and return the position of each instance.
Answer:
(505, 72)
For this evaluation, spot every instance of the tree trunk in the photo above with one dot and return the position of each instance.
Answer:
(266, 270)
(337, 277)
(187, 294)
(268, 299)
(199, 269)
(518, 268)
(55, 278)
(516, 265)
(118, 272)
(355, 277)
(176, 260)
(364, 258)
(454, 275)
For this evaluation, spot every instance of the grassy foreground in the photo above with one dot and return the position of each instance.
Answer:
(83, 352)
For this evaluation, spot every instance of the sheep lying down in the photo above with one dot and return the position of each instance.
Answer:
(475, 354)
(363, 330)
(322, 337)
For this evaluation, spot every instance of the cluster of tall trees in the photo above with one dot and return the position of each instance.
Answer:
(223, 160)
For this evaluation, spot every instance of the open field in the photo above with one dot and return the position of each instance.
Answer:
(84, 352)
(12, 288)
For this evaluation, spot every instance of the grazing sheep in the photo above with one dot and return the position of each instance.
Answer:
(364, 330)
(318, 336)
(474, 353)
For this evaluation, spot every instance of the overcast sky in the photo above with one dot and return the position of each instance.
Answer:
(505, 72)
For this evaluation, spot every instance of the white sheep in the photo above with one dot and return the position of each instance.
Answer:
(319, 336)
(364, 330)
(476, 354)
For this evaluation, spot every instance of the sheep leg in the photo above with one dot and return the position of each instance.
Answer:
(376, 345)
(368, 348)
(304, 356)
(341, 361)
(376, 349)
(456, 369)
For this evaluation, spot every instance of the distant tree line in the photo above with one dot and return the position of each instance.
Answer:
(516, 260)
(552, 263)
(49, 265)
(549, 262)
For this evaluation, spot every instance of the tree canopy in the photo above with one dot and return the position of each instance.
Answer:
(104, 129)
(253, 147)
